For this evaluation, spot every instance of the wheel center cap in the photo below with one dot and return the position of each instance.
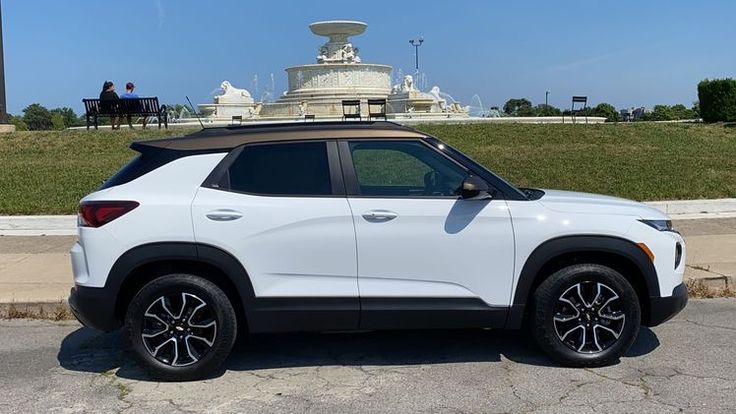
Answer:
(179, 328)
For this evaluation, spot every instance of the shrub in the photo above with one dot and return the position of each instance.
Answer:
(69, 117)
(20, 124)
(57, 121)
(37, 117)
(717, 100)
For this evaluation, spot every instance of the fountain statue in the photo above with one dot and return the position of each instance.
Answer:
(338, 74)
(232, 102)
(406, 98)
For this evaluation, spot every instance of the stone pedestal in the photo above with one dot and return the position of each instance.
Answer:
(7, 128)
(412, 101)
(227, 111)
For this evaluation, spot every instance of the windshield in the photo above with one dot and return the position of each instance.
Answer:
(507, 188)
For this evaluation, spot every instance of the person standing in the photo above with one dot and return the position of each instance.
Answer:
(108, 102)
(129, 94)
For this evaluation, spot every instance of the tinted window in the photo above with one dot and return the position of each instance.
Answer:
(282, 169)
(404, 168)
(141, 165)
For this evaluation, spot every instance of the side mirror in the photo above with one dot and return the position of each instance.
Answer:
(475, 188)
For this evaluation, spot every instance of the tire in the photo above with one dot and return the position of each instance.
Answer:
(585, 333)
(182, 327)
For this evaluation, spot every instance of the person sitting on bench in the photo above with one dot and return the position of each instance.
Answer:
(107, 98)
(129, 87)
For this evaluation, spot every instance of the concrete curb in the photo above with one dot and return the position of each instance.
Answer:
(67, 225)
(38, 225)
(678, 207)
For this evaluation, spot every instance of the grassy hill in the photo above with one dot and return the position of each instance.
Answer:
(48, 172)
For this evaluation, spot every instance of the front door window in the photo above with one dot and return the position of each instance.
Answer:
(404, 169)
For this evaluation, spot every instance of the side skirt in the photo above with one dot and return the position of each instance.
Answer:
(345, 314)
(429, 313)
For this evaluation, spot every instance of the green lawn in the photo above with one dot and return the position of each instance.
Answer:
(641, 161)
(48, 172)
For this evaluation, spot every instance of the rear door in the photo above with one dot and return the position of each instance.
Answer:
(280, 209)
(420, 246)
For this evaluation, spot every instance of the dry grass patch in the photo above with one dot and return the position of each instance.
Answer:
(47, 311)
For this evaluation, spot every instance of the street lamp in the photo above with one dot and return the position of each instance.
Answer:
(546, 98)
(416, 43)
(3, 109)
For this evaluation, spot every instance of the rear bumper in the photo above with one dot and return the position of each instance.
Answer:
(94, 308)
(662, 309)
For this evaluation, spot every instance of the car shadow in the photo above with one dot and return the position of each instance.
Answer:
(87, 350)
(462, 213)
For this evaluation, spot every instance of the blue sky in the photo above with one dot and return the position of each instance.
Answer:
(628, 53)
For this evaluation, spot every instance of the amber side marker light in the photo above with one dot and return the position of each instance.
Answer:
(646, 250)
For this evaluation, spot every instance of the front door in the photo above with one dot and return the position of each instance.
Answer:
(280, 209)
(419, 244)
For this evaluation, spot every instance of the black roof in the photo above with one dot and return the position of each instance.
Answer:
(228, 137)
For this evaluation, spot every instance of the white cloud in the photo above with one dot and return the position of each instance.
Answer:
(161, 13)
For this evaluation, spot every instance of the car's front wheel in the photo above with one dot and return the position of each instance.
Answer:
(585, 315)
(181, 326)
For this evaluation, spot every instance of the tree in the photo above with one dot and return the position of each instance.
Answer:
(607, 111)
(717, 99)
(70, 118)
(175, 110)
(547, 110)
(518, 107)
(680, 111)
(661, 113)
(37, 117)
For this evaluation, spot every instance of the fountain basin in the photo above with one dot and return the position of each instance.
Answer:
(338, 81)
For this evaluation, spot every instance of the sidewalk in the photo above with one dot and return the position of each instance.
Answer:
(37, 268)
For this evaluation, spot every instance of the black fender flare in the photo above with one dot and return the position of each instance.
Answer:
(150, 253)
(557, 247)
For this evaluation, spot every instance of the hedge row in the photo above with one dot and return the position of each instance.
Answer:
(717, 100)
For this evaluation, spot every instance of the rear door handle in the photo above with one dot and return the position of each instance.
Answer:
(379, 216)
(224, 215)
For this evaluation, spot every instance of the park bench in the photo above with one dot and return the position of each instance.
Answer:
(96, 108)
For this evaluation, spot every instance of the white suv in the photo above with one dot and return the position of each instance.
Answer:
(358, 226)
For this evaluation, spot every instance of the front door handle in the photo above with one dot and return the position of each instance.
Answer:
(379, 216)
(224, 215)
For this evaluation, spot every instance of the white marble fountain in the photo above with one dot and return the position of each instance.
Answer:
(318, 89)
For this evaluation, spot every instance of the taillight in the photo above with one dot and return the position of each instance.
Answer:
(99, 213)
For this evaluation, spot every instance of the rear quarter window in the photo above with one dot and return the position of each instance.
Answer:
(140, 165)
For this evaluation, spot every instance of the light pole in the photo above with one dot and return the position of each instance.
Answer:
(416, 43)
(3, 109)
(546, 98)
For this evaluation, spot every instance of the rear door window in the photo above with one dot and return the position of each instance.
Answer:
(284, 169)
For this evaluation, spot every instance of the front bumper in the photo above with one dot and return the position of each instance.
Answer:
(94, 308)
(662, 309)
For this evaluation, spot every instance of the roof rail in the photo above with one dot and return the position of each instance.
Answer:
(285, 126)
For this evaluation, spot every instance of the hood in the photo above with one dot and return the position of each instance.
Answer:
(587, 203)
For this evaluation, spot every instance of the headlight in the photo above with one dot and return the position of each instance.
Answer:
(661, 225)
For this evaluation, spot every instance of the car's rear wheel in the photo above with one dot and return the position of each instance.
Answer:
(181, 326)
(585, 315)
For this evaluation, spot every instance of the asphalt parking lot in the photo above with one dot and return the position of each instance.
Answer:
(688, 364)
